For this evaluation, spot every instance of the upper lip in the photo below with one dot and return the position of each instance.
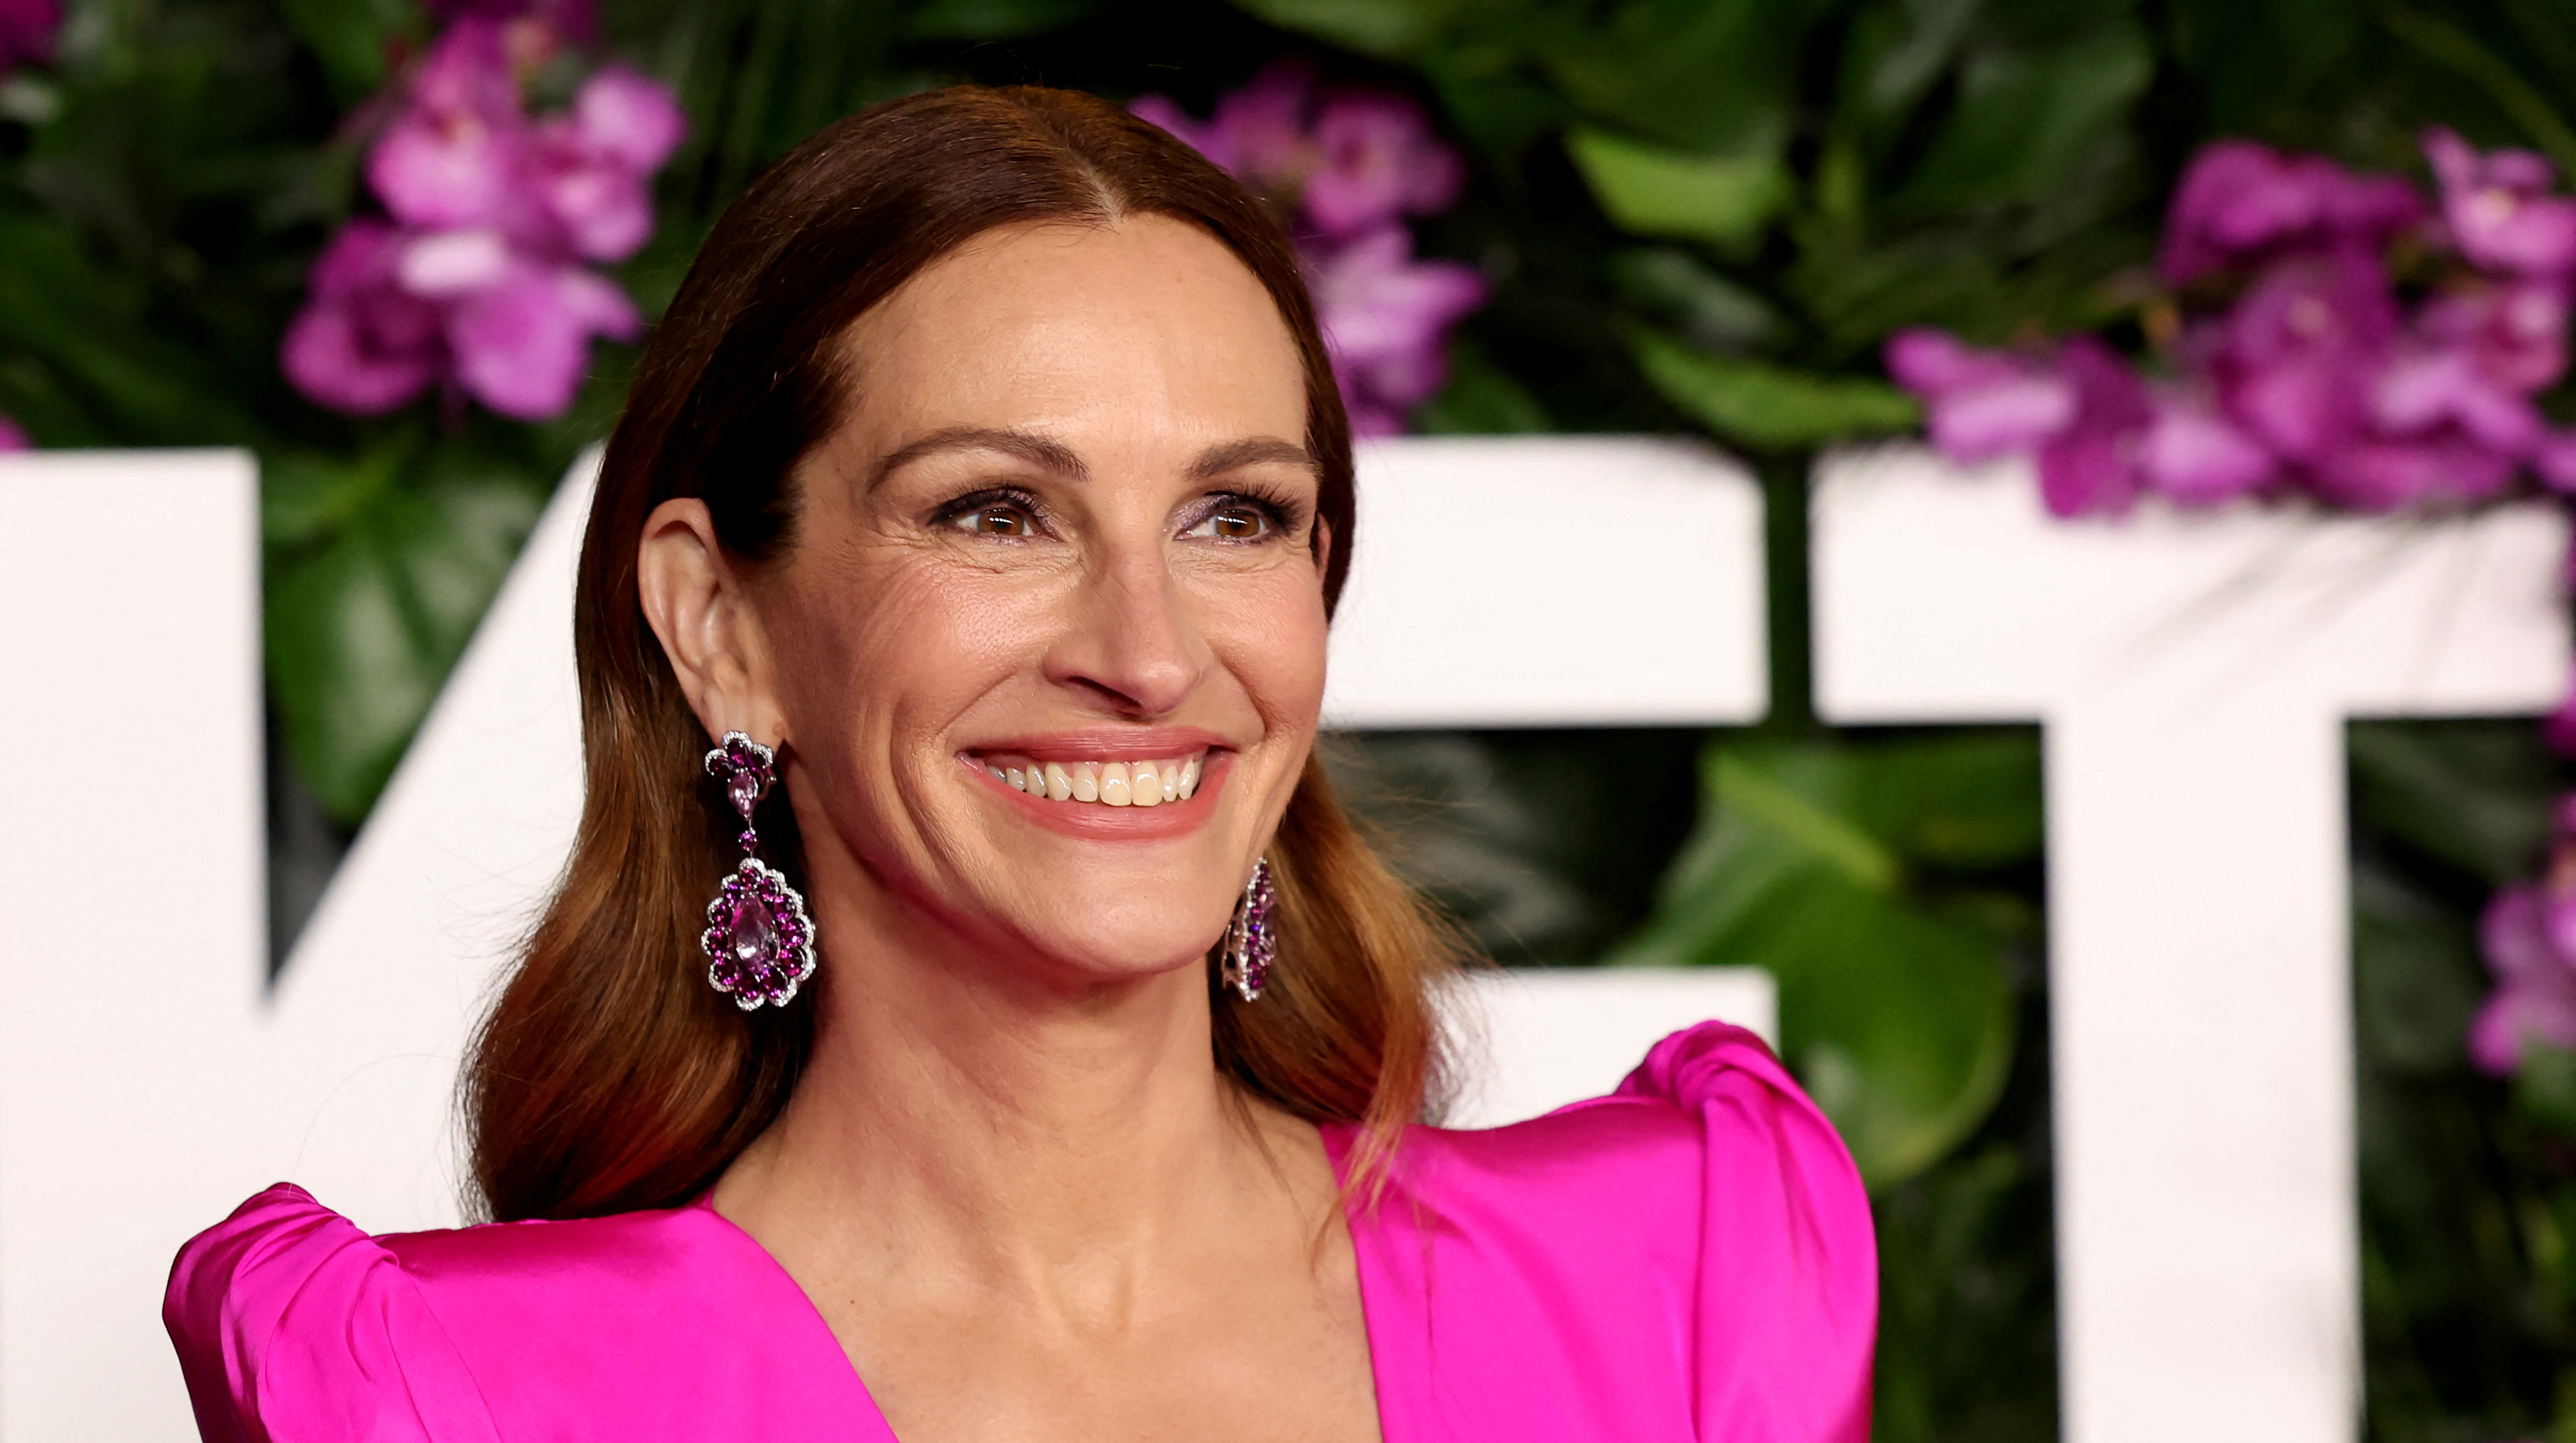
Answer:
(1104, 744)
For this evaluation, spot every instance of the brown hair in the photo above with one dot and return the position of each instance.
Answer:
(609, 1076)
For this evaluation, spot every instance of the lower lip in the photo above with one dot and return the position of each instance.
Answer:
(1095, 821)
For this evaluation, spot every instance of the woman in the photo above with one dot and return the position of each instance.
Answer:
(986, 494)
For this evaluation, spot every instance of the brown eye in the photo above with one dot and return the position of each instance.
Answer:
(999, 521)
(1237, 523)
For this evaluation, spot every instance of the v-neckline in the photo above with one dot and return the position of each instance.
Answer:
(862, 1404)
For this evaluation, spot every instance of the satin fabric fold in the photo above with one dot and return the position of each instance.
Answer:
(1689, 1258)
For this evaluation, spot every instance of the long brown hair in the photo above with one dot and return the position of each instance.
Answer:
(609, 1076)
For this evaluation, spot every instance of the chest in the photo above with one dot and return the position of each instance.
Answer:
(1248, 1362)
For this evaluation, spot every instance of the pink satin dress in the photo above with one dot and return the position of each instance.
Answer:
(1688, 1258)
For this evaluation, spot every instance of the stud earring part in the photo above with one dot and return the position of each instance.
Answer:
(1251, 943)
(759, 941)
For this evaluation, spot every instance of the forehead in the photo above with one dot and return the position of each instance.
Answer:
(1145, 320)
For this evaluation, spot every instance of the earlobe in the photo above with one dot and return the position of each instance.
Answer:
(699, 610)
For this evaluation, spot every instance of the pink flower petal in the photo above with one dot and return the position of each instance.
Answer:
(523, 347)
(629, 118)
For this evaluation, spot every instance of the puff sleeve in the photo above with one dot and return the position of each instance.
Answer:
(1788, 1278)
(292, 1325)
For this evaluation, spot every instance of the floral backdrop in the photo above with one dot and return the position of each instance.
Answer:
(2210, 252)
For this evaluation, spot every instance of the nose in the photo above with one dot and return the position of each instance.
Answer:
(1131, 643)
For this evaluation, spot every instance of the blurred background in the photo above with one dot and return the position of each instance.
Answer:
(402, 251)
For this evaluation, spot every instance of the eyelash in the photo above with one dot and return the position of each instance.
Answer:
(1281, 512)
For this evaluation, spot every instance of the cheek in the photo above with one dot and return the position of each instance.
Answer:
(884, 645)
(1270, 632)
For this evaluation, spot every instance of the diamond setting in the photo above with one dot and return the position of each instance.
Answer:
(759, 941)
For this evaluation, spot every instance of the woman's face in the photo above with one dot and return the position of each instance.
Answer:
(1048, 646)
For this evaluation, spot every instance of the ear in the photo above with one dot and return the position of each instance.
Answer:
(1323, 547)
(700, 608)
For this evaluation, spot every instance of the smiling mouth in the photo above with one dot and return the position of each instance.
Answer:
(1149, 782)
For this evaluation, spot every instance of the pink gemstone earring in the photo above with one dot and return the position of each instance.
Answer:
(1251, 944)
(759, 942)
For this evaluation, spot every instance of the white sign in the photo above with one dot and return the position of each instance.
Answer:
(148, 1082)
(2192, 673)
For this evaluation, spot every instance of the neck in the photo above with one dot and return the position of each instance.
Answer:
(973, 1115)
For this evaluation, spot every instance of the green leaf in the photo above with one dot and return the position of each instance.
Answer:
(1388, 29)
(2025, 117)
(2540, 120)
(363, 626)
(1649, 190)
(994, 19)
(1760, 404)
(1714, 76)
(1969, 801)
(2474, 794)
(351, 38)
(2417, 979)
(1713, 312)
(1897, 1014)
(1481, 399)
(2545, 1088)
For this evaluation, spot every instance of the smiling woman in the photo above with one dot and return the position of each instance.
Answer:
(986, 495)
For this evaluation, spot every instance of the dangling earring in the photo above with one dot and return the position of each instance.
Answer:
(759, 942)
(1250, 943)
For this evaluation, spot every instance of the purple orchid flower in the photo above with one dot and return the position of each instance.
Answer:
(2497, 210)
(1379, 161)
(363, 343)
(1386, 319)
(478, 281)
(2524, 935)
(1980, 404)
(522, 345)
(2298, 358)
(27, 32)
(454, 155)
(2240, 202)
(2091, 466)
(1351, 164)
(593, 167)
(2084, 412)
(2193, 452)
(1259, 132)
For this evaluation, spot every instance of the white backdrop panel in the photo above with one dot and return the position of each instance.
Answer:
(131, 848)
(1505, 581)
(1498, 582)
(2193, 673)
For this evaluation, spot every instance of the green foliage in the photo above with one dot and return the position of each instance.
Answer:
(1755, 403)
(1824, 863)
(1647, 190)
(2468, 1183)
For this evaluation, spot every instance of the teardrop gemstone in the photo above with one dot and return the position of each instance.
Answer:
(753, 936)
(744, 788)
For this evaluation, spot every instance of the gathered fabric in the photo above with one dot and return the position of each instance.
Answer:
(1688, 1258)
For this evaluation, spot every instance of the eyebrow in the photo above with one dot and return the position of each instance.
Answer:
(1215, 461)
(1036, 450)
(1057, 457)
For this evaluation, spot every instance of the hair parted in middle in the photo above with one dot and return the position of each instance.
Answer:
(608, 1076)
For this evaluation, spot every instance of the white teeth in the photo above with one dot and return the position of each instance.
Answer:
(1148, 783)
